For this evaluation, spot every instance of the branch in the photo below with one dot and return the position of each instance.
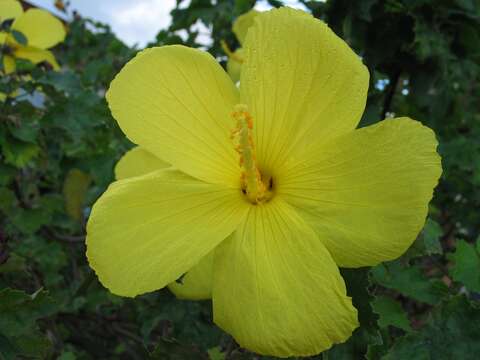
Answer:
(390, 93)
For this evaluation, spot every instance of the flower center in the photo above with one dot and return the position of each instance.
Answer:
(258, 189)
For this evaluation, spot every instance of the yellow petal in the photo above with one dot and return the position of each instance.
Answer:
(196, 284)
(9, 64)
(276, 288)
(42, 29)
(234, 65)
(36, 56)
(145, 232)
(10, 9)
(175, 102)
(243, 23)
(366, 194)
(137, 162)
(301, 82)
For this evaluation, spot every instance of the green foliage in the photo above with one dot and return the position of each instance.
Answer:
(451, 333)
(390, 313)
(409, 281)
(59, 143)
(466, 268)
(19, 334)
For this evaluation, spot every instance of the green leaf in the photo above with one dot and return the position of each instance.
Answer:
(20, 310)
(467, 264)
(19, 37)
(452, 333)
(431, 237)
(215, 354)
(68, 81)
(67, 355)
(409, 281)
(28, 221)
(19, 313)
(357, 282)
(19, 153)
(391, 313)
(428, 242)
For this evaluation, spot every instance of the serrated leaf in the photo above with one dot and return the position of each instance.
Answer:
(409, 281)
(390, 313)
(466, 267)
(452, 333)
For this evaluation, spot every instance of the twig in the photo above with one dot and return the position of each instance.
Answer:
(390, 93)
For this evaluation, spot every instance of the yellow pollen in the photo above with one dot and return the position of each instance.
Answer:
(251, 178)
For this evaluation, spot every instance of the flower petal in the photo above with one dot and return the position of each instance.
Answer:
(243, 23)
(196, 284)
(301, 82)
(9, 64)
(234, 66)
(36, 56)
(147, 231)
(276, 288)
(137, 162)
(42, 29)
(176, 102)
(366, 194)
(10, 9)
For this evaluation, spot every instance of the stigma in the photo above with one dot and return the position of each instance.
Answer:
(251, 178)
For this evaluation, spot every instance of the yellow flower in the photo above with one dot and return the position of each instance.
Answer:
(236, 58)
(41, 30)
(273, 178)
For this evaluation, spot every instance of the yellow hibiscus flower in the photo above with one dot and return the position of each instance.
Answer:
(40, 29)
(240, 29)
(272, 180)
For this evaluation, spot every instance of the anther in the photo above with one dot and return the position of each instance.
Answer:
(251, 178)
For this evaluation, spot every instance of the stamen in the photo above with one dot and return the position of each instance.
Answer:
(251, 178)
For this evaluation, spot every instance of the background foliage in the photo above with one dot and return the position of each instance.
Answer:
(57, 156)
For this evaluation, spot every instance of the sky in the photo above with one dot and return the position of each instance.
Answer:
(133, 21)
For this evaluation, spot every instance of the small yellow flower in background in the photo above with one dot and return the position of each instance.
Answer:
(272, 180)
(236, 58)
(40, 29)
